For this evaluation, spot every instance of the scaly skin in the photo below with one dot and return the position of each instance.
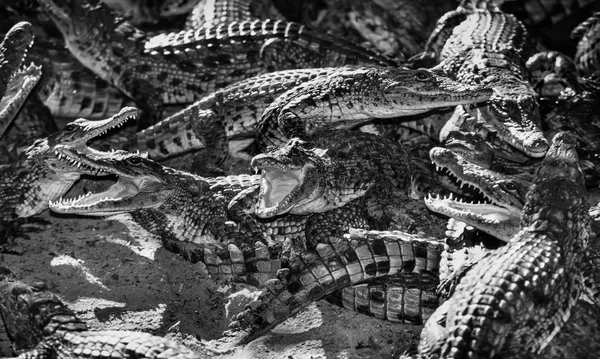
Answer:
(579, 113)
(12, 52)
(41, 326)
(15, 84)
(224, 122)
(39, 175)
(216, 12)
(182, 67)
(329, 170)
(505, 192)
(479, 44)
(334, 265)
(70, 90)
(192, 213)
(163, 200)
(402, 298)
(535, 279)
(352, 97)
(552, 73)
(587, 58)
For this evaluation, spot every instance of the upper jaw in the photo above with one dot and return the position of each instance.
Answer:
(123, 196)
(450, 162)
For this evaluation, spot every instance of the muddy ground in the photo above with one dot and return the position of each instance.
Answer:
(115, 275)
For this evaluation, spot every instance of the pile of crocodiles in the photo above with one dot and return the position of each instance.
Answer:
(246, 137)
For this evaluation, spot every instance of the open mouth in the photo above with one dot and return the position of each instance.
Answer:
(76, 134)
(118, 198)
(458, 208)
(104, 203)
(19, 87)
(487, 214)
(279, 189)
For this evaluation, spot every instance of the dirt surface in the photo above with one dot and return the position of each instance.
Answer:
(115, 275)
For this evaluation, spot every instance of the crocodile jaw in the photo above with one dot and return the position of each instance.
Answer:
(277, 191)
(121, 197)
(497, 221)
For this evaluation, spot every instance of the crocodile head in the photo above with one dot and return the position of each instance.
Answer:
(76, 135)
(100, 40)
(516, 118)
(16, 81)
(412, 92)
(291, 177)
(42, 174)
(175, 205)
(141, 184)
(327, 171)
(13, 50)
(470, 146)
(505, 194)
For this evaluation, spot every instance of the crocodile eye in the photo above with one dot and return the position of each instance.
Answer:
(422, 75)
(510, 186)
(70, 127)
(135, 160)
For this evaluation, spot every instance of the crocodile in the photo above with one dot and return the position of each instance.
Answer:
(587, 57)
(15, 83)
(536, 277)
(223, 125)
(40, 175)
(210, 13)
(333, 265)
(552, 73)
(577, 112)
(250, 260)
(178, 68)
(70, 90)
(478, 44)
(351, 98)
(40, 326)
(504, 194)
(328, 170)
(153, 194)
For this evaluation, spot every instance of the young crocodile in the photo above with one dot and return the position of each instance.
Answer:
(192, 217)
(39, 175)
(350, 98)
(177, 68)
(518, 297)
(506, 194)
(333, 265)
(330, 169)
(479, 44)
(15, 83)
(41, 326)
(224, 124)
